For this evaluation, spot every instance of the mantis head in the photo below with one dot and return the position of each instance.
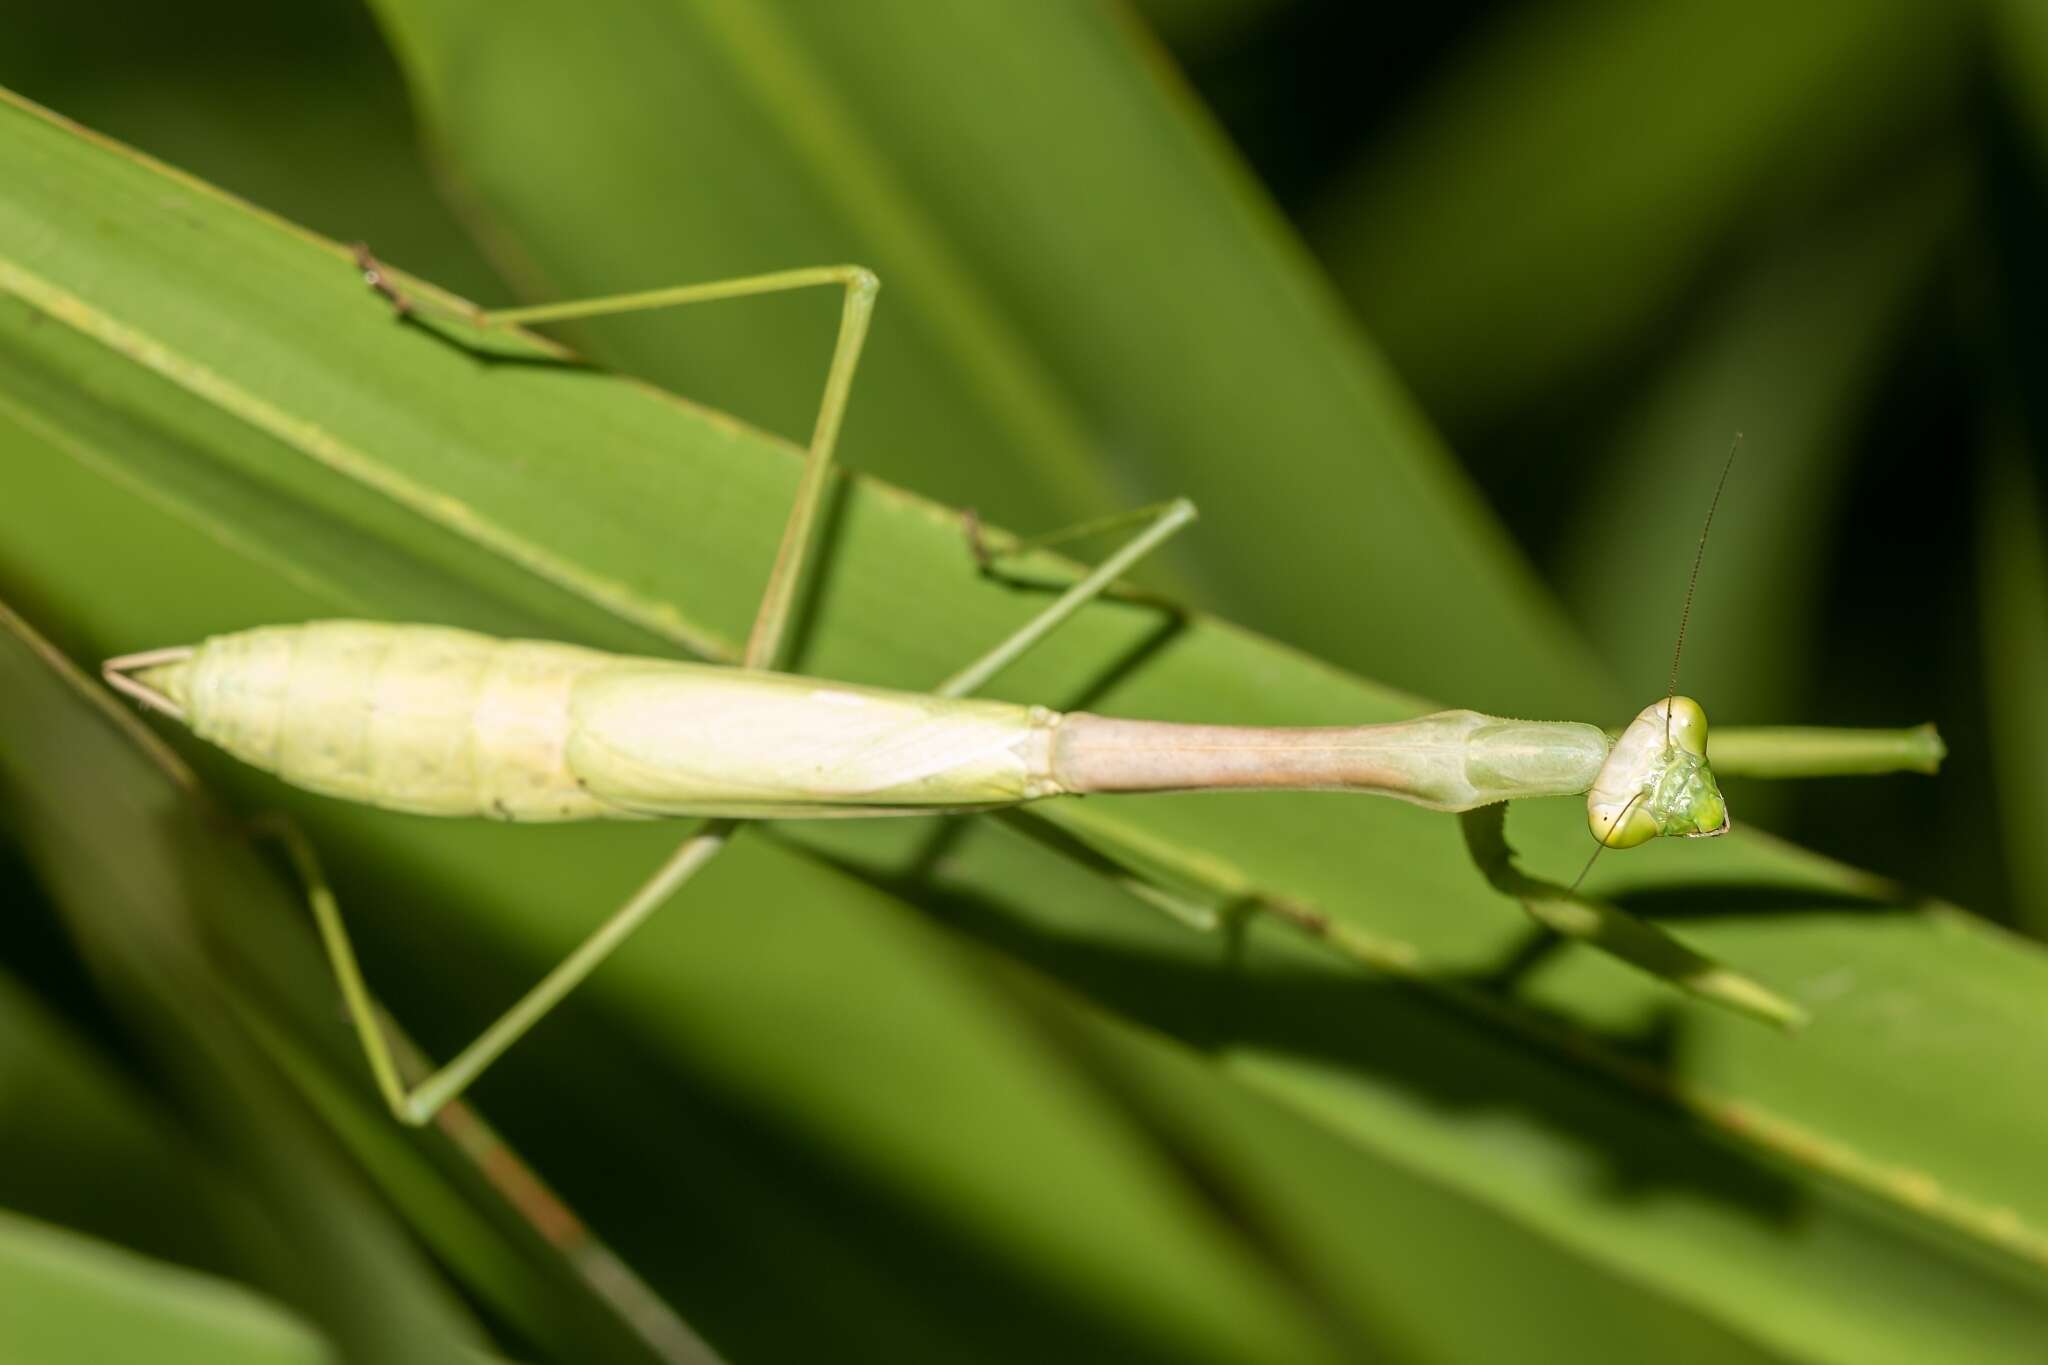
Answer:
(1656, 780)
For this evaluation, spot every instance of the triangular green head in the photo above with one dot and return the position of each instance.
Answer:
(1656, 780)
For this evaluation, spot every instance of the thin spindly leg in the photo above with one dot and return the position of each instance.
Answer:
(1161, 521)
(421, 1102)
(986, 555)
(771, 623)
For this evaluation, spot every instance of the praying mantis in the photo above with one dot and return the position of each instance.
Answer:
(439, 721)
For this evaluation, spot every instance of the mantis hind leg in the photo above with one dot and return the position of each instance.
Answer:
(419, 1103)
(771, 620)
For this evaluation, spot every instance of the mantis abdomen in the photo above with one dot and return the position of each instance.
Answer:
(415, 718)
(441, 721)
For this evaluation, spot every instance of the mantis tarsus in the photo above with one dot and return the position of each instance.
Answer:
(441, 721)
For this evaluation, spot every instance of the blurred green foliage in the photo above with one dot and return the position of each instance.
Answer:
(1593, 238)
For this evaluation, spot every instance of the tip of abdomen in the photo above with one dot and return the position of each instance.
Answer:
(160, 679)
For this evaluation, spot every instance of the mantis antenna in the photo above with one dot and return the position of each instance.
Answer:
(1692, 583)
(1600, 844)
(1603, 839)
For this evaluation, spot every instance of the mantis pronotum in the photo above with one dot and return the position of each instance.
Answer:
(440, 721)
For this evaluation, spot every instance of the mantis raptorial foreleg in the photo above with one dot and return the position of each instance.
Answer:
(418, 1104)
(1614, 931)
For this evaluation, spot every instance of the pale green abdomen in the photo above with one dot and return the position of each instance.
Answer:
(441, 721)
(415, 718)
(663, 738)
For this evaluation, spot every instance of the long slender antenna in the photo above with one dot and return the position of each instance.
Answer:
(1603, 845)
(1692, 585)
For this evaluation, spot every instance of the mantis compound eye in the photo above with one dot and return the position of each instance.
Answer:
(1656, 780)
